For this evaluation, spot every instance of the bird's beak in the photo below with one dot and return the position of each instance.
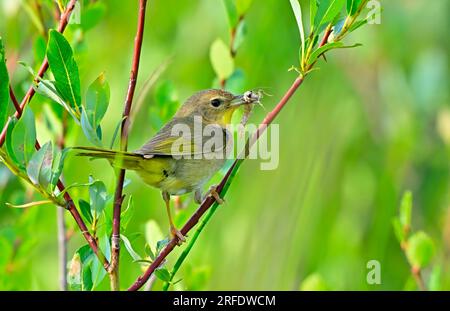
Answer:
(248, 97)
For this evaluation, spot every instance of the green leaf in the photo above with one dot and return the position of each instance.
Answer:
(242, 6)
(129, 248)
(357, 24)
(98, 196)
(221, 59)
(352, 6)
(420, 249)
(241, 32)
(231, 12)
(8, 142)
(97, 269)
(161, 244)
(57, 166)
(23, 138)
(163, 274)
(153, 234)
(398, 230)
(116, 132)
(327, 11)
(312, 13)
(405, 210)
(298, 17)
(39, 168)
(329, 46)
(97, 100)
(85, 209)
(4, 86)
(90, 133)
(127, 214)
(64, 68)
(74, 273)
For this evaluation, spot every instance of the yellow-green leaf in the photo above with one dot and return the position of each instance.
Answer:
(221, 59)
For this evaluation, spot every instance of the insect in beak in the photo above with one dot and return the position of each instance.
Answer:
(248, 97)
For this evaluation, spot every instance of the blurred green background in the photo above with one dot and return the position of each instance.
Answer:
(373, 122)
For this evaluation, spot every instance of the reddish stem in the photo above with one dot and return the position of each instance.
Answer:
(118, 197)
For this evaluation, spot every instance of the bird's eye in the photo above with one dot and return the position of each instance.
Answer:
(216, 102)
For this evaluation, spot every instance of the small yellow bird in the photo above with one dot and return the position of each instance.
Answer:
(178, 163)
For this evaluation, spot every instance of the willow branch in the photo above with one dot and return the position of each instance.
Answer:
(118, 197)
(69, 204)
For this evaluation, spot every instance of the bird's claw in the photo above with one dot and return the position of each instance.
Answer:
(176, 234)
(213, 192)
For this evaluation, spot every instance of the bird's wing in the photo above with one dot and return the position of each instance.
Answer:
(185, 137)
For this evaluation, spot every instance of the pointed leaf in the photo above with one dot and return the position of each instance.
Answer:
(231, 12)
(85, 209)
(98, 196)
(298, 17)
(40, 165)
(405, 210)
(163, 274)
(97, 100)
(64, 68)
(4, 86)
(88, 130)
(129, 248)
(352, 6)
(327, 11)
(23, 138)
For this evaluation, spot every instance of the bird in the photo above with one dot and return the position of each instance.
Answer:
(176, 159)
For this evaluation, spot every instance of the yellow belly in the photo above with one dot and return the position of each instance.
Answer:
(178, 176)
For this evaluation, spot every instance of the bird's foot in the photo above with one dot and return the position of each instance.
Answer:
(213, 192)
(176, 234)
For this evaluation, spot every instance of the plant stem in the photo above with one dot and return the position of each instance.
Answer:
(417, 274)
(118, 197)
(61, 222)
(62, 248)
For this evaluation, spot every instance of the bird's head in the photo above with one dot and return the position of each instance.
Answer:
(215, 106)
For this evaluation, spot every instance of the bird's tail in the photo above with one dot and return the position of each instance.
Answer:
(118, 159)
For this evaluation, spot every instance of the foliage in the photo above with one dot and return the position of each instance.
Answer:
(371, 123)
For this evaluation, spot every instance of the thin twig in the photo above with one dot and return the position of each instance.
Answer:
(61, 222)
(118, 197)
(417, 274)
(62, 248)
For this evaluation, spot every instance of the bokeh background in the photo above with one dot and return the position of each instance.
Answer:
(373, 122)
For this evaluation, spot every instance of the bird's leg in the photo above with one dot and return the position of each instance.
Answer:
(213, 192)
(198, 196)
(174, 232)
